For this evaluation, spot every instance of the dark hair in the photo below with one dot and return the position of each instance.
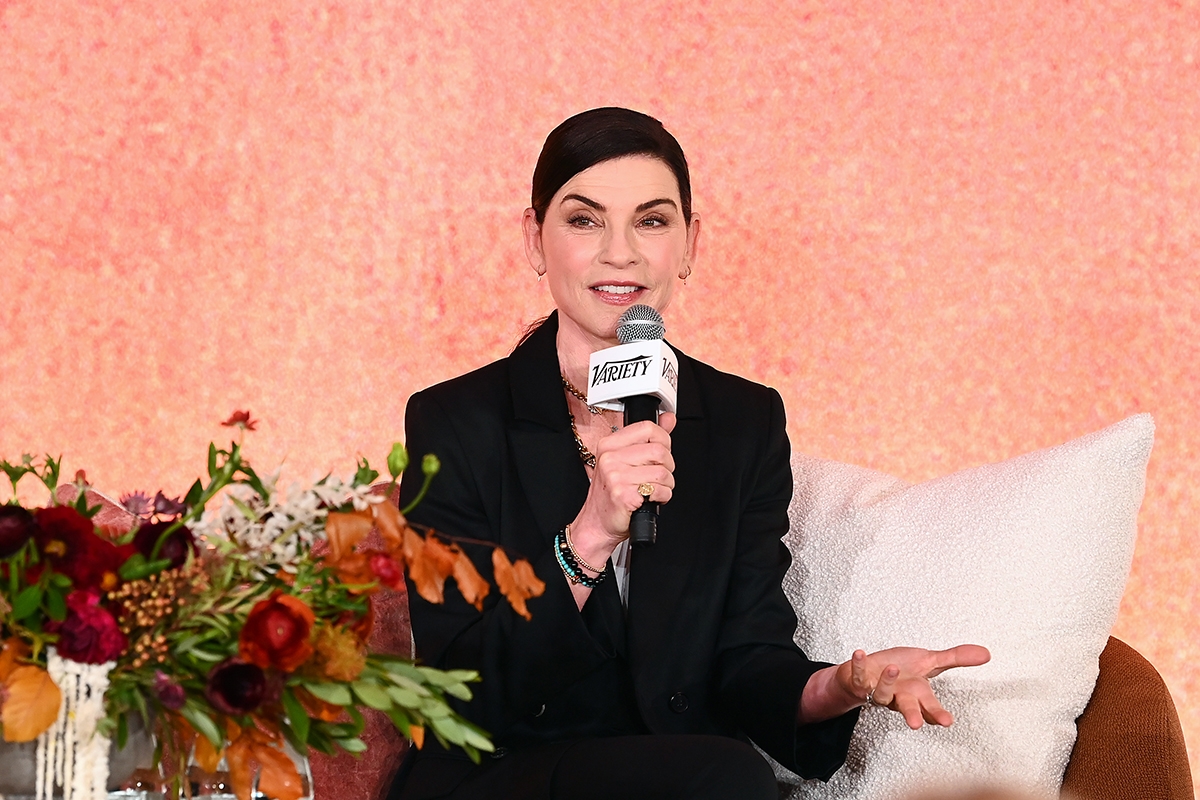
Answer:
(602, 134)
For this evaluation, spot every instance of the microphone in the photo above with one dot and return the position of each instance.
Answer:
(640, 376)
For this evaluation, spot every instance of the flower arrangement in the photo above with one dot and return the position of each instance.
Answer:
(232, 633)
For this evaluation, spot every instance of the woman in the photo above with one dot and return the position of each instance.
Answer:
(640, 674)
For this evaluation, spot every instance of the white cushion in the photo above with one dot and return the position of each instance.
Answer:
(1027, 557)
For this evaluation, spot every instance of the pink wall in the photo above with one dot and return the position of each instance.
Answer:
(948, 232)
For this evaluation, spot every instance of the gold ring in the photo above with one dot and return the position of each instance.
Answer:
(645, 489)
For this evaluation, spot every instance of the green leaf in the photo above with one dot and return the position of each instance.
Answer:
(137, 567)
(336, 693)
(459, 691)
(203, 724)
(194, 494)
(354, 745)
(404, 697)
(365, 476)
(297, 716)
(27, 602)
(373, 695)
(447, 727)
(212, 460)
(397, 460)
(56, 606)
(122, 732)
(401, 721)
(60, 580)
(476, 738)
(434, 708)
(133, 563)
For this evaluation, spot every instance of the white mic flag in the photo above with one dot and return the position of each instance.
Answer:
(640, 367)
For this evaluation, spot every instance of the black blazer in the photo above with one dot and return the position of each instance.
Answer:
(706, 646)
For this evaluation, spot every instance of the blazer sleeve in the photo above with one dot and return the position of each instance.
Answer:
(520, 661)
(761, 671)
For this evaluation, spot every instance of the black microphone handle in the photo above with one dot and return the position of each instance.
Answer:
(643, 523)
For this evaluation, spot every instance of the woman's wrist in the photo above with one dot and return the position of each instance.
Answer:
(825, 696)
(591, 543)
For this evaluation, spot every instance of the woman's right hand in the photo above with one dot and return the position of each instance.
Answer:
(636, 454)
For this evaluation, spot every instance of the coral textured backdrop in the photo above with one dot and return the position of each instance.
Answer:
(948, 232)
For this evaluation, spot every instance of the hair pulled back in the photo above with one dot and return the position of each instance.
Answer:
(602, 134)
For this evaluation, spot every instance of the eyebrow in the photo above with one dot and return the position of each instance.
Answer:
(587, 201)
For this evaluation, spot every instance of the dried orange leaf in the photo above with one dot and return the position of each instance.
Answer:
(417, 734)
(345, 529)
(440, 556)
(31, 703)
(278, 777)
(510, 586)
(207, 757)
(473, 587)
(238, 758)
(428, 565)
(12, 650)
(391, 524)
(354, 569)
(527, 579)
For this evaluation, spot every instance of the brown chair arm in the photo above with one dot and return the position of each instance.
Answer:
(1130, 744)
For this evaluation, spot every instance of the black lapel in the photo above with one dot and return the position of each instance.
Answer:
(659, 574)
(547, 460)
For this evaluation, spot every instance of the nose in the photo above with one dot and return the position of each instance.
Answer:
(620, 247)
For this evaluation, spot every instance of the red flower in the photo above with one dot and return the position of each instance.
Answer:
(387, 570)
(235, 687)
(89, 634)
(16, 528)
(277, 632)
(69, 542)
(241, 419)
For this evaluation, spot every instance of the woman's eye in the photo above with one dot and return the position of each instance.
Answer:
(654, 222)
(581, 221)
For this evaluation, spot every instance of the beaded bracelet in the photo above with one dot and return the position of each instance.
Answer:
(570, 566)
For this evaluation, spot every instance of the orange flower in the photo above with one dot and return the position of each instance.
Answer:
(276, 633)
(340, 654)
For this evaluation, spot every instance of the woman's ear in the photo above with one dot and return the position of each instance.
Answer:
(693, 243)
(531, 233)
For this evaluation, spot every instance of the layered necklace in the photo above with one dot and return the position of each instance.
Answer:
(585, 455)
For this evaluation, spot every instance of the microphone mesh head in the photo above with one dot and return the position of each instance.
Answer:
(640, 323)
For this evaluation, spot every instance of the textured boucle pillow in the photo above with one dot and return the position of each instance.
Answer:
(1027, 557)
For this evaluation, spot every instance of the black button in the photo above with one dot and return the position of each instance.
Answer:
(679, 703)
(500, 752)
(540, 711)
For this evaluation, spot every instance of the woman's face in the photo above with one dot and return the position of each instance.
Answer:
(613, 236)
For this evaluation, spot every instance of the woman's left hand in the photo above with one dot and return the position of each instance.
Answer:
(897, 678)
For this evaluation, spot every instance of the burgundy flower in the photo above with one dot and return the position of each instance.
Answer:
(175, 548)
(167, 506)
(16, 528)
(236, 686)
(136, 503)
(277, 633)
(89, 634)
(69, 542)
(168, 691)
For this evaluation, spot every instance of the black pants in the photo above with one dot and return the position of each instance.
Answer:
(633, 767)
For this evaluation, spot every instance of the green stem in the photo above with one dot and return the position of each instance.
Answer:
(222, 479)
(420, 495)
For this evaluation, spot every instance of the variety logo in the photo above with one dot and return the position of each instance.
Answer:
(610, 371)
